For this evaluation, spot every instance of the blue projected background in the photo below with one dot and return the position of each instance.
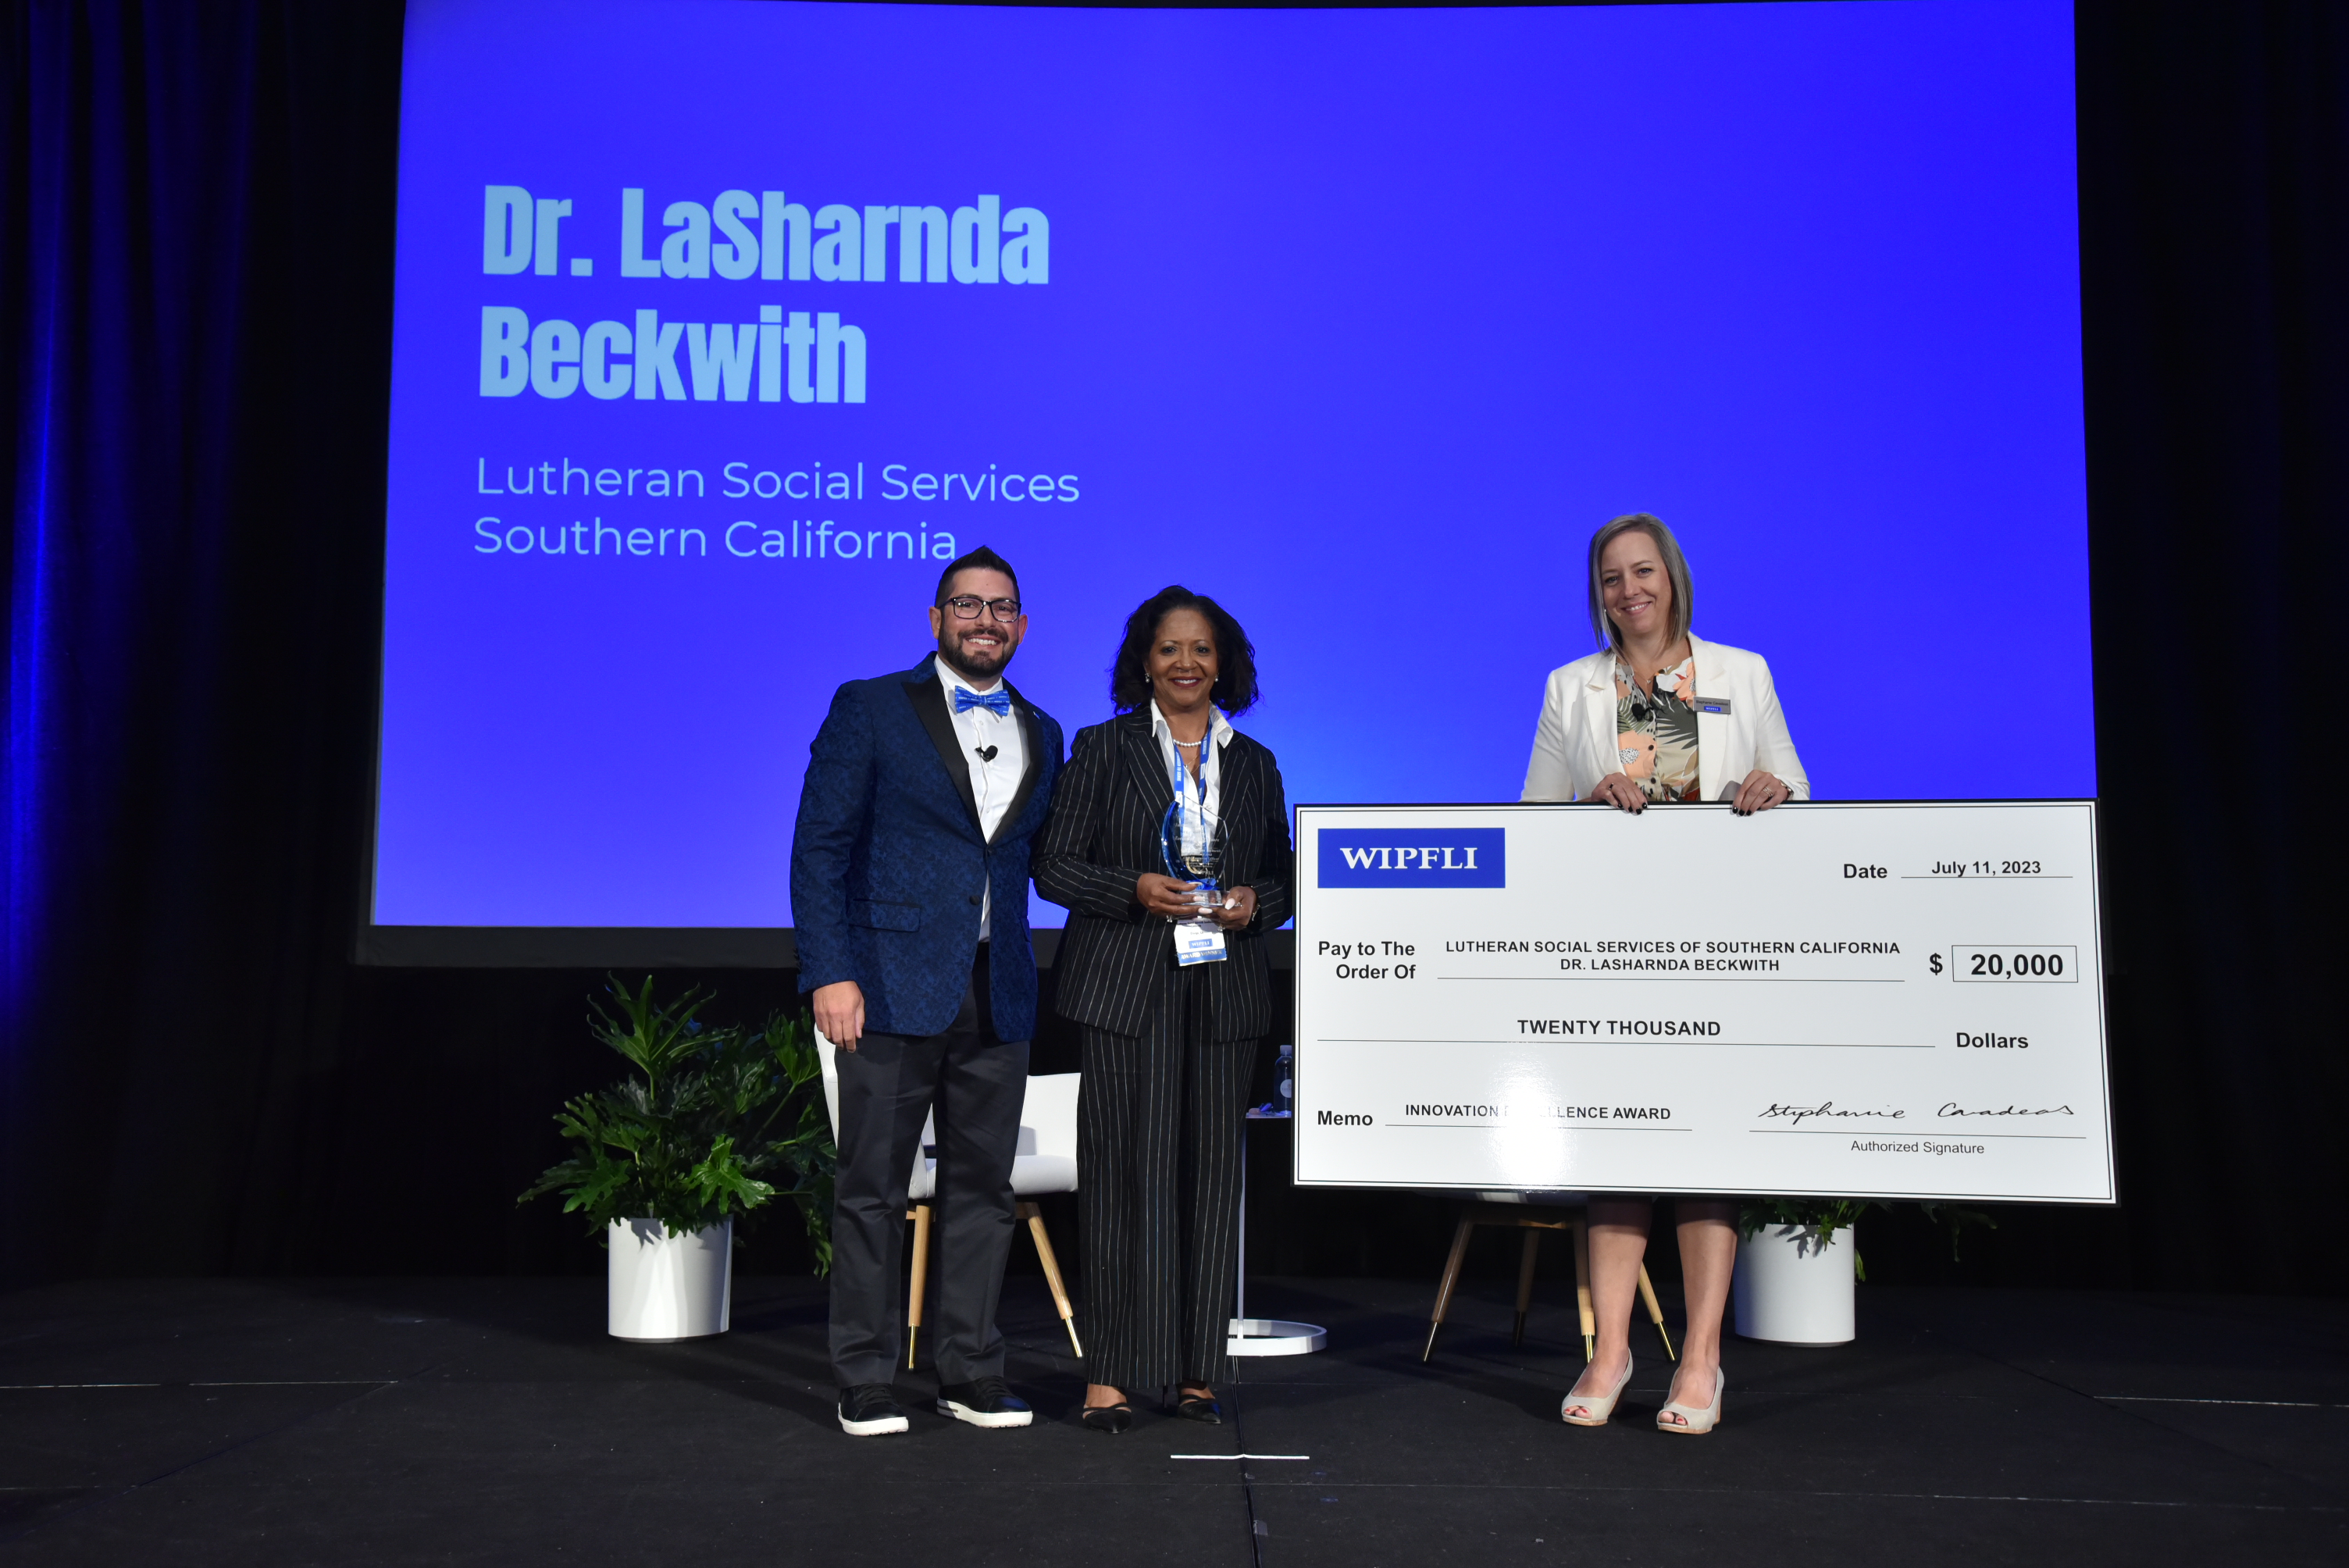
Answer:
(719, 325)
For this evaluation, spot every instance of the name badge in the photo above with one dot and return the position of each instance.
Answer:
(1719, 704)
(1198, 942)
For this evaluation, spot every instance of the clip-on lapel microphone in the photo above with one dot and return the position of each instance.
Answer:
(985, 753)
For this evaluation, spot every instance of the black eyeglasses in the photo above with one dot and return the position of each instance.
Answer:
(966, 608)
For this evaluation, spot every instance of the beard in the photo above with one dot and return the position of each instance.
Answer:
(978, 663)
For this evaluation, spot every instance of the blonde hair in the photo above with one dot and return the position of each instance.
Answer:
(1675, 569)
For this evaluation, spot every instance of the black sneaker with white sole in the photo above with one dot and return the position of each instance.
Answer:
(871, 1410)
(983, 1402)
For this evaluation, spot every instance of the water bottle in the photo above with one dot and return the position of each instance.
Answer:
(1285, 1101)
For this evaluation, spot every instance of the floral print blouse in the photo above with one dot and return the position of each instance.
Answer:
(1656, 736)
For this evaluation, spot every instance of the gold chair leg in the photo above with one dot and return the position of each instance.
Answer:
(1581, 1229)
(921, 1280)
(1526, 1284)
(1656, 1314)
(1451, 1278)
(1035, 1218)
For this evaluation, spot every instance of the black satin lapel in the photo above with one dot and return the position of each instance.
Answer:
(1032, 734)
(929, 700)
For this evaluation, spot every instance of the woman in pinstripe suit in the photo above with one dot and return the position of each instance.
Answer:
(1168, 1050)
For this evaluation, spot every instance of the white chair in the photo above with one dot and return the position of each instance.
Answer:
(1044, 1161)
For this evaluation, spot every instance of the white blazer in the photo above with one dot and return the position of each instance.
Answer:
(1738, 727)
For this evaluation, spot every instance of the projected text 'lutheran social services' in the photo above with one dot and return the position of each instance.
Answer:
(746, 538)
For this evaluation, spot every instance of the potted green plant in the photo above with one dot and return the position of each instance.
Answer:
(1798, 1259)
(715, 1122)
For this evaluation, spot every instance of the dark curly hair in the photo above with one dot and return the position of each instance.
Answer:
(1234, 690)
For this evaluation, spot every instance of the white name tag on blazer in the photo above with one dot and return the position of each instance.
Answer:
(1198, 942)
(1719, 704)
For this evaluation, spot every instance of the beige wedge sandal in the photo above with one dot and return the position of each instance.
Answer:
(1600, 1406)
(1700, 1419)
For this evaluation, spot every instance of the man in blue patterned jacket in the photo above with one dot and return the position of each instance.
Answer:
(909, 889)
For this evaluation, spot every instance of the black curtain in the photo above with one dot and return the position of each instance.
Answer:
(2214, 156)
(195, 269)
(195, 250)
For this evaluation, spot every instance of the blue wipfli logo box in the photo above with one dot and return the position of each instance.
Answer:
(1418, 857)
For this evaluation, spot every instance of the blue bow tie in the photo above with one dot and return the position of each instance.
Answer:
(997, 702)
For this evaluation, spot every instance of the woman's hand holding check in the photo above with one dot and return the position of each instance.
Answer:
(1759, 793)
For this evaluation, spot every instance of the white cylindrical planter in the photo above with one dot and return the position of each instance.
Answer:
(663, 1286)
(1792, 1289)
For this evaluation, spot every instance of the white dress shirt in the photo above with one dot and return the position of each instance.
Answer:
(1219, 731)
(993, 781)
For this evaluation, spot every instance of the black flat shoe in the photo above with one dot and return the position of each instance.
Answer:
(1110, 1419)
(1207, 1412)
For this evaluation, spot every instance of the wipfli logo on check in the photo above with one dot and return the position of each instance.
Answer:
(1418, 857)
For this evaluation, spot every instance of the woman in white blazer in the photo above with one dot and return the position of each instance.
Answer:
(1742, 750)
(1657, 715)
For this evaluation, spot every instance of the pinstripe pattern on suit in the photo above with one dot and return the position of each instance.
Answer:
(1104, 832)
(1159, 1124)
(1168, 1051)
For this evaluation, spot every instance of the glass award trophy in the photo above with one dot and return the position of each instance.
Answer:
(1194, 845)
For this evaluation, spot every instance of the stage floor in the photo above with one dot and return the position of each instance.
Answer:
(461, 1421)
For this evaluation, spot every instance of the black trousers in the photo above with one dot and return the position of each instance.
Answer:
(1160, 1125)
(977, 1085)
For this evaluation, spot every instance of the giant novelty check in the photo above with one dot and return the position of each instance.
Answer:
(1878, 1000)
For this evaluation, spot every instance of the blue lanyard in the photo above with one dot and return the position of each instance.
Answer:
(1206, 758)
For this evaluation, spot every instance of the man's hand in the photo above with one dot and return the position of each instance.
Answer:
(840, 1012)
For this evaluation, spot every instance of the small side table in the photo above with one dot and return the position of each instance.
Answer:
(1266, 1335)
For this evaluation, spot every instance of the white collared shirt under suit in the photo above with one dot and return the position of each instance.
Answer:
(995, 781)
